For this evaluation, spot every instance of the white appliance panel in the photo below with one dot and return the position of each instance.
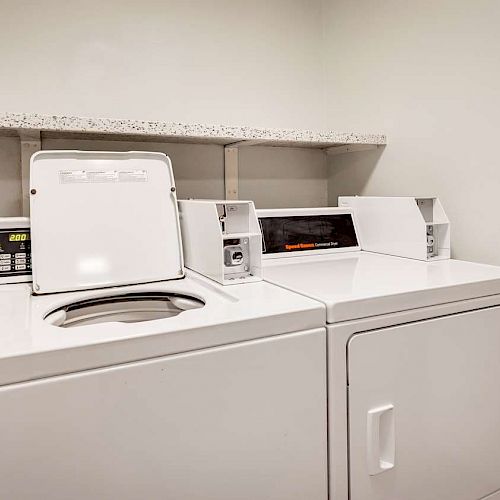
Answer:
(424, 409)
(362, 284)
(245, 422)
(404, 226)
(102, 219)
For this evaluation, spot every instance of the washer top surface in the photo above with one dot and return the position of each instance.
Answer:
(31, 347)
(355, 285)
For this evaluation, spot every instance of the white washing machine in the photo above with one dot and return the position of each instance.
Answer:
(413, 360)
(175, 388)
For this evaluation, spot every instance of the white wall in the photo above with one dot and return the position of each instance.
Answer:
(208, 61)
(427, 73)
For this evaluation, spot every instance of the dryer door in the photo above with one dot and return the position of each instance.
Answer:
(424, 409)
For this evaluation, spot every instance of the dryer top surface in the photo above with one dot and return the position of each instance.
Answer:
(361, 284)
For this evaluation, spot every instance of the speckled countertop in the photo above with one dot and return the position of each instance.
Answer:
(219, 134)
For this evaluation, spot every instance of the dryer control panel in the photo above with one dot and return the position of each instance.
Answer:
(303, 231)
(15, 250)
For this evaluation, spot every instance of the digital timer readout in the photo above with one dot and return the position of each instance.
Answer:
(19, 237)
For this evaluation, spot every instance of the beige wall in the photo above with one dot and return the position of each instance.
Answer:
(427, 73)
(200, 61)
(198, 169)
(283, 177)
(10, 177)
(272, 177)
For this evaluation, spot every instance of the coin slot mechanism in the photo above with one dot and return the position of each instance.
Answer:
(222, 240)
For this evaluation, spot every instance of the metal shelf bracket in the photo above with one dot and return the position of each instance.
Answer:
(30, 144)
(231, 172)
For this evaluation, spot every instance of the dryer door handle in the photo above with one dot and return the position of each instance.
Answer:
(380, 439)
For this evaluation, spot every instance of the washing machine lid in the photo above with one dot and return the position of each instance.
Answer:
(101, 219)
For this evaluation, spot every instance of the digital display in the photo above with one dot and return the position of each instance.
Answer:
(308, 232)
(19, 236)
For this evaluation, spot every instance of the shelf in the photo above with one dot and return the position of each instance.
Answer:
(13, 124)
(33, 128)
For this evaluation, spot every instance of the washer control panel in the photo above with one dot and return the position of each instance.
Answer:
(15, 250)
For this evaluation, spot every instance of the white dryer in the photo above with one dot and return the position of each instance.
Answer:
(413, 360)
(124, 377)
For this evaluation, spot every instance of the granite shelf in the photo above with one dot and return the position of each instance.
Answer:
(15, 124)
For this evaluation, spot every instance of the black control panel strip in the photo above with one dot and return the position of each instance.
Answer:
(285, 234)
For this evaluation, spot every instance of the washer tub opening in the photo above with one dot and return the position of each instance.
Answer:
(125, 308)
